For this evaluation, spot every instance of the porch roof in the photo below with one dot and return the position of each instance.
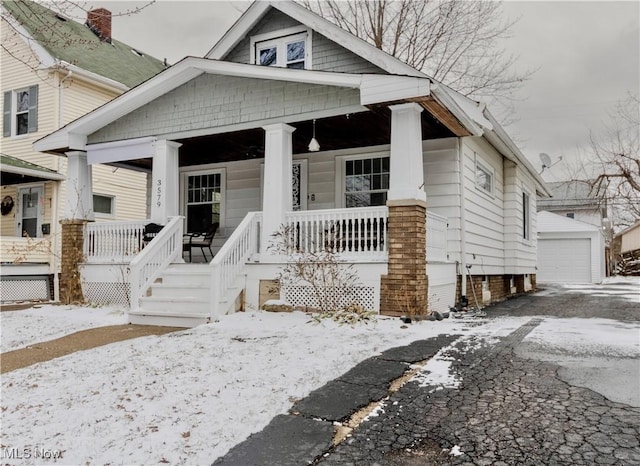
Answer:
(16, 171)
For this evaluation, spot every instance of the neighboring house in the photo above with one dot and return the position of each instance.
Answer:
(576, 200)
(626, 250)
(569, 251)
(53, 71)
(290, 120)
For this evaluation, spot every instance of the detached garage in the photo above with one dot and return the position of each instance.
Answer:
(569, 251)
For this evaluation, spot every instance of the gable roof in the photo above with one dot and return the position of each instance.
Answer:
(68, 41)
(575, 194)
(258, 9)
(474, 116)
(548, 222)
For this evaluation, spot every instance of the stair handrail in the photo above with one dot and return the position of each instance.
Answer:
(228, 264)
(165, 248)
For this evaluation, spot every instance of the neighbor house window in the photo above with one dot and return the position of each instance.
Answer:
(526, 217)
(366, 181)
(204, 201)
(289, 48)
(484, 178)
(20, 112)
(103, 204)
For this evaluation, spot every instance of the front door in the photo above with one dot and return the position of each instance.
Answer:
(30, 210)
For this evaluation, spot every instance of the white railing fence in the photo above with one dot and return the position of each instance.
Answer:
(436, 237)
(228, 264)
(113, 241)
(165, 248)
(351, 232)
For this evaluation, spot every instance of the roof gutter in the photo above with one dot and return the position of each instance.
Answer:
(105, 83)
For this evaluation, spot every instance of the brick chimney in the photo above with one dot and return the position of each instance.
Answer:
(99, 21)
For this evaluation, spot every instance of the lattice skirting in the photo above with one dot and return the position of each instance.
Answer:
(303, 296)
(106, 293)
(25, 288)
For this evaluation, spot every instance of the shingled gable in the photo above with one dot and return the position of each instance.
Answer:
(474, 117)
(62, 42)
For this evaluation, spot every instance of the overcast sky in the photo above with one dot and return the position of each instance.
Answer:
(587, 55)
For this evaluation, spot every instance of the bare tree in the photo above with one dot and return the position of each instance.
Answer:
(454, 42)
(617, 161)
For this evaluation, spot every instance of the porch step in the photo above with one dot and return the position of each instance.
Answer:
(167, 319)
(177, 305)
(171, 290)
(187, 275)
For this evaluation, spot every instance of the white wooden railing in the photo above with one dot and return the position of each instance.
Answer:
(113, 241)
(165, 248)
(228, 264)
(436, 237)
(360, 232)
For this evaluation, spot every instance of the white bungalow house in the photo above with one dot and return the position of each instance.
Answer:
(289, 120)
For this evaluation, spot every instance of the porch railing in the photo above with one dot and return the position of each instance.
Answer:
(358, 231)
(436, 237)
(113, 241)
(165, 248)
(228, 264)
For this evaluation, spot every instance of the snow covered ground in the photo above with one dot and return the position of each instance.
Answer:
(188, 397)
(48, 322)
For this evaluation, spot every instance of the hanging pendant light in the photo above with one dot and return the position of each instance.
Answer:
(314, 146)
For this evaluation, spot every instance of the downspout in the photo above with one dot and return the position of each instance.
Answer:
(56, 202)
(463, 226)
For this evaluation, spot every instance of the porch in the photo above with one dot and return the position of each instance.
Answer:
(153, 278)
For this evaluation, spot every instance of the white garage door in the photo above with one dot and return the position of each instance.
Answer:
(564, 260)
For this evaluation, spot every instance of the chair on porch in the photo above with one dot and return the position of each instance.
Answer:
(200, 240)
(150, 231)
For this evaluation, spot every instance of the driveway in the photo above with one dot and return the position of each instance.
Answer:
(562, 388)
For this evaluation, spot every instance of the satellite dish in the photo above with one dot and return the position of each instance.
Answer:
(545, 159)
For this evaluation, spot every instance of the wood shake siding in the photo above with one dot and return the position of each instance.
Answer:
(210, 101)
(326, 54)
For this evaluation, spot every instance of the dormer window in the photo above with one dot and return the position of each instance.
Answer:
(289, 48)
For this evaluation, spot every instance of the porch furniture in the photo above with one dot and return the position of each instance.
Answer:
(200, 240)
(151, 230)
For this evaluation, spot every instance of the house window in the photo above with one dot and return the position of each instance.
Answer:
(484, 178)
(526, 214)
(289, 48)
(20, 112)
(366, 181)
(204, 201)
(103, 204)
(570, 215)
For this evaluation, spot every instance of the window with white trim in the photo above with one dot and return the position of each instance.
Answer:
(366, 181)
(526, 216)
(204, 201)
(484, 178)
(288, 48)
(20, 112)
(103, 205)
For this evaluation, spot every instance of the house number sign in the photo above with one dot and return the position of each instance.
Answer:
(159, 193)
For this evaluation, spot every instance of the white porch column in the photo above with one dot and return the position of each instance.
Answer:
(276, 197)
(79, 198)
(406, 177)
(165, 181)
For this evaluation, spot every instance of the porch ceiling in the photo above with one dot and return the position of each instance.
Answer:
(368, 128)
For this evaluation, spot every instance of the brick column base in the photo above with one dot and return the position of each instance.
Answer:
(72, 256)
(403, 291)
